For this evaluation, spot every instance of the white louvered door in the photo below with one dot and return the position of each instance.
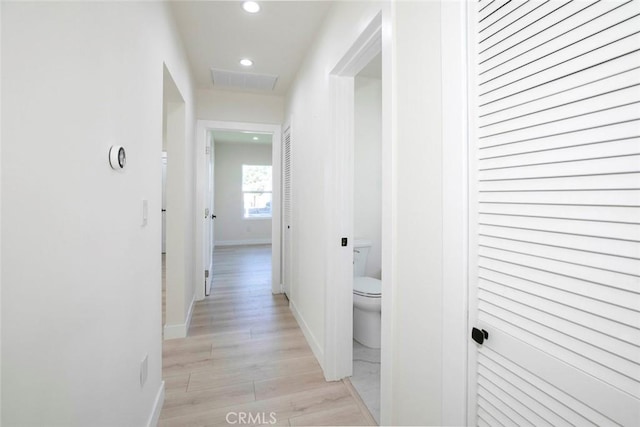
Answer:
(555, 212)
(286, 211)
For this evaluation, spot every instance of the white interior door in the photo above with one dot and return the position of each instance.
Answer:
(555, 213)
(210, 217)
(286, 211)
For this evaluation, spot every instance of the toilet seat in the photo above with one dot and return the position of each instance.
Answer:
(367, 287)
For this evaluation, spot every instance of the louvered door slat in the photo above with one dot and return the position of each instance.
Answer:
(522, 28)
(569, 19)
(549, 69)
(601, 261)
(555, 212)
(578, 191)
(609, 278)
(562, 125)
(492, 24)
(286, 210)
(533, 410)
(605, 31)
(571, 298)
(549, 408)
(569, 110)
(612, 336)
(560, 402)
(614, 296)
(514, 410)
(619, 248)
(621, 81)
(561, 78)
(626, 147)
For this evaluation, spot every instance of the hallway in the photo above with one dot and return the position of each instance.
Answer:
(246, 355)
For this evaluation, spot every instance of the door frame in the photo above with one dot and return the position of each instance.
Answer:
(338, 314)
(338, 351)
(203, 129)
(472, 240)
(455, 205)
(177, 309)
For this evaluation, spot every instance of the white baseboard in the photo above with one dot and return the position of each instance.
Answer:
(154, 417)
(179, 330)
(318, 352)
(242, 242)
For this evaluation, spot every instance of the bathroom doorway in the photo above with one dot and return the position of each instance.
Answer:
(371, 47)
(367, 229)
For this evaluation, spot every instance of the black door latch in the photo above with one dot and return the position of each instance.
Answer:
(479, 335)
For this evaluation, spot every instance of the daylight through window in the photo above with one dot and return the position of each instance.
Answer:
(257, 191)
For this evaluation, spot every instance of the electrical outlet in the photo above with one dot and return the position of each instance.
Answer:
(144, 370)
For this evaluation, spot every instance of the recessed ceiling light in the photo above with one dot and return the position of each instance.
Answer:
(246, 62)
(251, 6)
(255, 138)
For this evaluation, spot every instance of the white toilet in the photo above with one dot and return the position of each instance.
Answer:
(367, 301)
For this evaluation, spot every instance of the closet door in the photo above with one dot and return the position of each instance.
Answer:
(555, 213)
(286, 211)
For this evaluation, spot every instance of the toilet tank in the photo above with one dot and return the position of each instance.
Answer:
(360, 254)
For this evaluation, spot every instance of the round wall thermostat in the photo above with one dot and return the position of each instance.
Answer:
(117, 157)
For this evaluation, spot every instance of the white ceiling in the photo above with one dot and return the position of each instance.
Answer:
(217, 34)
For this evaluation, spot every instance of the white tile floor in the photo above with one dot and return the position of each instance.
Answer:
(366, 377)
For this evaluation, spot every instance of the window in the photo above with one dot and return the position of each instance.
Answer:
(256, 191)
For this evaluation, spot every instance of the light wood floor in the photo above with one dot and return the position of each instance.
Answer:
(246, 356)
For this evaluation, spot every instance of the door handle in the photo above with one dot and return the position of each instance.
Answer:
(479, 335)
(213, 216)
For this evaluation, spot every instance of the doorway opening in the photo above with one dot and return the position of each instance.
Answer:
(361, 73)
(173, 141)
(367, 231)
(243, 188)
(243, 170)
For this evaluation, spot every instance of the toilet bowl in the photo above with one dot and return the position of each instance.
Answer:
(367, 304)
(367, 299)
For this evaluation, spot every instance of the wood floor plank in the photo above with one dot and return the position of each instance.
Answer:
(289, 384)
(188, 362)
(250, 348)
(221, 376)
(245, 353)
(176, 383)
(181, 404)
(332, 395)
(338, 416)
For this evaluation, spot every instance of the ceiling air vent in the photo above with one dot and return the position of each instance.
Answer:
(233, 79)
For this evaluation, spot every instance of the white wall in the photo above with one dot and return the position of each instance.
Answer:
(417, 337)
(230, 225)
(429, 341)
(81, 275)
(367, 203)
(223, 105)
